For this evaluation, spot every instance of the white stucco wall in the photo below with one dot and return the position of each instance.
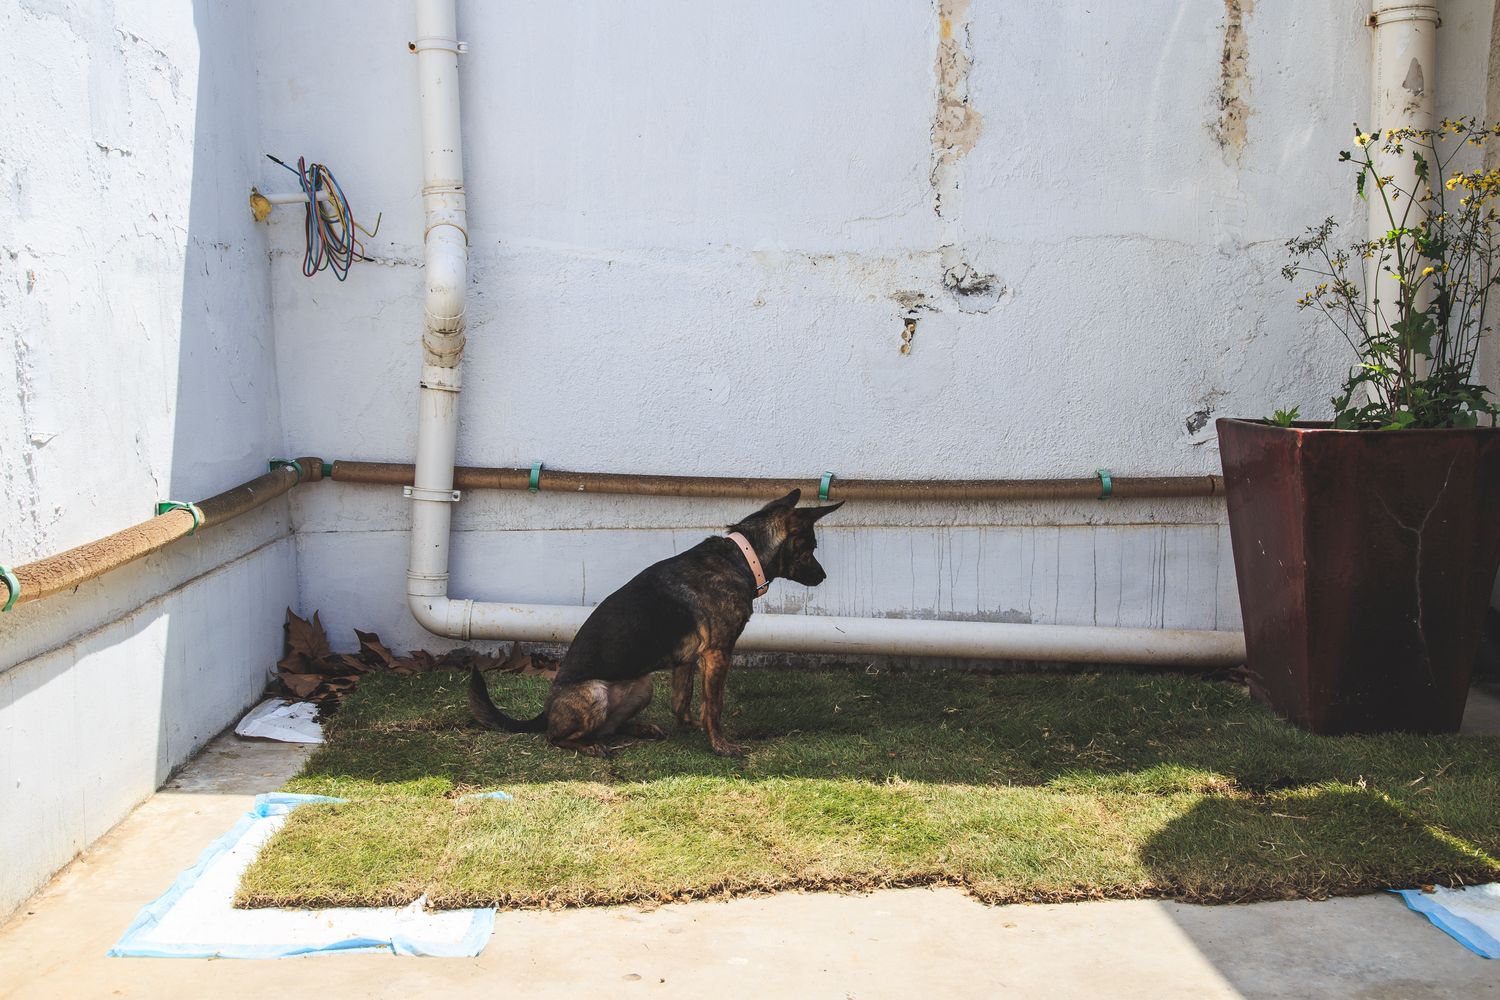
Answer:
(135, 328)
(697, 230)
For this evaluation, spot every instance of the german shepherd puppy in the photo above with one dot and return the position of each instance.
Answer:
(684, 614)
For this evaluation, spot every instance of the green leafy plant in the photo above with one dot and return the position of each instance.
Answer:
(1414, 356)
(1284, 418)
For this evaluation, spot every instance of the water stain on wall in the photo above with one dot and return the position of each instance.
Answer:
(956, 125)
(1231, 129)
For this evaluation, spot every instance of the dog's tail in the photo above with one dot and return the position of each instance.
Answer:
(490, 717)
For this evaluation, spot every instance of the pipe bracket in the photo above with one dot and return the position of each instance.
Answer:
(11, 584)
(535, 483)
(440, 496)
(442, 379)
(823, 486)
(436, 43)
(1106, 484)
(165, 506)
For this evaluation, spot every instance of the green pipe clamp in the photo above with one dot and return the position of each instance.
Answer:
(12, 584)
(535, 484)
(279, 463)
(1106, 484)
(823, 486)
(162, 506)
(327, 470)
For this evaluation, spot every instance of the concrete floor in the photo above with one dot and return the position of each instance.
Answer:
(884, 944)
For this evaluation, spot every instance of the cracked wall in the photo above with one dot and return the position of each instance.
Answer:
(956, 124)
(135, 328)
(700, 240)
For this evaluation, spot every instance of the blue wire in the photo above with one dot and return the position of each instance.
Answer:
(328, 232)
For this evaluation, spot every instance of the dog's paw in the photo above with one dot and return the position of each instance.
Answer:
(726, 749)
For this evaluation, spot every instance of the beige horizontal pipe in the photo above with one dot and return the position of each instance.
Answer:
(66, 570)
(472, 478)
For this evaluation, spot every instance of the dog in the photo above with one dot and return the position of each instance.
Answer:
(682, 614)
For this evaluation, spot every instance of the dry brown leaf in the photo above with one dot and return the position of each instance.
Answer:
(373, 651)
(293, 663)
(306, 637)
(302, 685)
(516, 660)
(354, 664)
(312, 671)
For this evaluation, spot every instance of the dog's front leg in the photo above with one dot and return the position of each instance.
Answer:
(682, 693)
(715, 666)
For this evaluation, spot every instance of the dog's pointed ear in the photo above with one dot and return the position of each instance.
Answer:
(812, 514)
(790, 500)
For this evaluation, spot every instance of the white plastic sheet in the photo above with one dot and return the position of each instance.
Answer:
(286, 721)
(196, 917)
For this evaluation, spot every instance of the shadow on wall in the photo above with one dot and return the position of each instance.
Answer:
(226, 413)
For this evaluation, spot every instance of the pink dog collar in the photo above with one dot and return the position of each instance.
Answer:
(761, 583)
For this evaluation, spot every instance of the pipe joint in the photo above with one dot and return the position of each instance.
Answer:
(426, 585)
(443, 350)
(461, 226)
(447, 280)
(460, 618)
(444, 204)
(1405, 12)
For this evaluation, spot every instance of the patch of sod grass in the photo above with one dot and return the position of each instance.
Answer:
(1017, 787)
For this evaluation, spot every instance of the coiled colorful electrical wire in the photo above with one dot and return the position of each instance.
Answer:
(329, 225)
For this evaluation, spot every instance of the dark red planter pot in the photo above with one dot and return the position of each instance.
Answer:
(1365, 561)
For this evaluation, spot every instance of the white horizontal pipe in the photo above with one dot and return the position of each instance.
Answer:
(870, 636)
(293, 198)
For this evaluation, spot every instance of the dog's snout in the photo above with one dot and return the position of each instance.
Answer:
(814, 574)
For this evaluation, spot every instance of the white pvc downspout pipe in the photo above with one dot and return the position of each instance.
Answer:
(432, 494)
(1404, 85)
(447, 258)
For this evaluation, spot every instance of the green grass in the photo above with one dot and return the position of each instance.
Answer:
(1017, 787)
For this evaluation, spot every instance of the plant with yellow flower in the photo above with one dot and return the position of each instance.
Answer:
(1414, 356)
